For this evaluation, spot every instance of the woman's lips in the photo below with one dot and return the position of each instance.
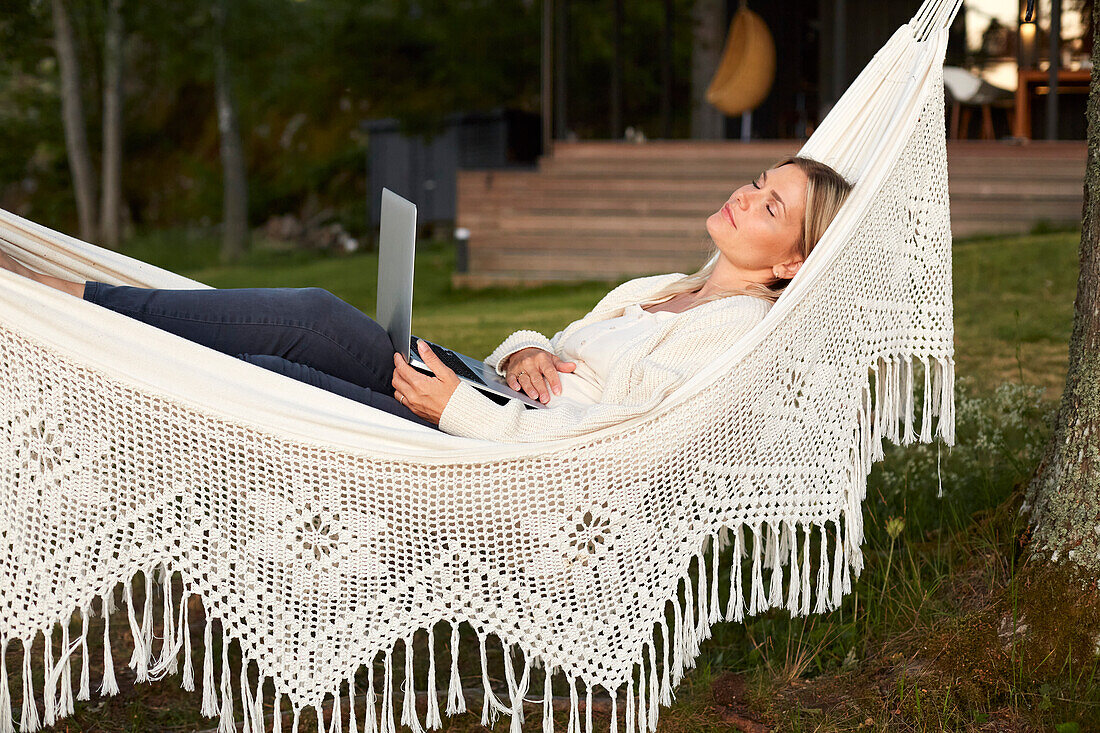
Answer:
(729, 215)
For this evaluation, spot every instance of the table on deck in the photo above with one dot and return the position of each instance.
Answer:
(1069, 82)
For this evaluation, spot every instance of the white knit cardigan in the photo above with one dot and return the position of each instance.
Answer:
(641, 375)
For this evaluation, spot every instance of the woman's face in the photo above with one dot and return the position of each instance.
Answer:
(759, 227)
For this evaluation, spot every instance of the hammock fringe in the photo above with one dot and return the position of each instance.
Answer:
(109, 686)
(209, 695)
(433, 719)
(225, 724)
(49, 692)
(456, 703)
(408, 707)
(28, 721)
(185, 636)
(85, 683)
(5, 695)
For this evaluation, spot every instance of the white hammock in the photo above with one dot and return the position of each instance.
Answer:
(321, 533)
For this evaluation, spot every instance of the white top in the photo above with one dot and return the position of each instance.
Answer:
(596, 346)
(656, 354)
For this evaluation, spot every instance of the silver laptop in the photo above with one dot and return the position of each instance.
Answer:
(396, 250)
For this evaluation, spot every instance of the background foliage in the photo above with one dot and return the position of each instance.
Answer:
(306, 74)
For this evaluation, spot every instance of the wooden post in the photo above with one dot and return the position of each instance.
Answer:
(616, 69)
(1055, 66)
(840, 48)
(666, 71)
(561, 123)
(708, 23)
(547, 76)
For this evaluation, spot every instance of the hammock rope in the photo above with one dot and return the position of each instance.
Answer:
(321, 535)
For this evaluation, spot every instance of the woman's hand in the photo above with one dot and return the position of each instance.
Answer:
(424, 394)
(529, 370)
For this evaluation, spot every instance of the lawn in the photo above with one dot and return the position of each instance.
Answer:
(931, 563)
(1014, 308)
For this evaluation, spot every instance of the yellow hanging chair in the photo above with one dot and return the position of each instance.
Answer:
(747, 70)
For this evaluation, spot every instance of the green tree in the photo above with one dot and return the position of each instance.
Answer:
(304, 76)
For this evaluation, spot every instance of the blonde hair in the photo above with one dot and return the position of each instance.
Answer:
(826, 191)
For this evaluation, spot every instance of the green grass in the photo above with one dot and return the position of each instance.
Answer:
(1014, 308)
(865, 665)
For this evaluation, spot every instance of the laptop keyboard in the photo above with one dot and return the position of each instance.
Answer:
(449, 358)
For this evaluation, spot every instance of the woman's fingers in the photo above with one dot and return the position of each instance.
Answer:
(426, 395)
(513, 378)
(541, 386)
(406, 379)
(551, 376)
(528, 385)
(564, 366)
(547, 377)
(536, 374)
(400, 382)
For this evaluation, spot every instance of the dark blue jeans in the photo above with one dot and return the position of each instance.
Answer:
(307, 334)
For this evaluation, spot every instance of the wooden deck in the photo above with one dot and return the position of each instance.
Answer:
(606, 210)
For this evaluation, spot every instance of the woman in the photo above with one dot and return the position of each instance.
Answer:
(640, 342)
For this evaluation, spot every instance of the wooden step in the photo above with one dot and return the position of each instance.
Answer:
(614, 221)
(697, 245)
(479, 183)
(615, 226)
(710, 170)
(611, 210)
(705, 202)
(679, 149)
(580, 265)
(627, 178)
(1074, 149)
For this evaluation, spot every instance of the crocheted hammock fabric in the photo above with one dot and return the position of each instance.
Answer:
(330, 541)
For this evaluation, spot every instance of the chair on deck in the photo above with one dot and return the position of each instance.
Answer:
(966, 91)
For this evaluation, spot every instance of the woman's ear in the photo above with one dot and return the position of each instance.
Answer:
(786, 270)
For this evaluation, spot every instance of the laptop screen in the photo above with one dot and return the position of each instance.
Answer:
(396, 250)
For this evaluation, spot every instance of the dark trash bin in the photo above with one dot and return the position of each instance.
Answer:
(424, 170)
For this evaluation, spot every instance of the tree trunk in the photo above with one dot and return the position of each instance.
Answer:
(1063, 500)
(708, 32)
(235, 181)
(72, 111)
(617, 69)
(111, 204)
(666, 70)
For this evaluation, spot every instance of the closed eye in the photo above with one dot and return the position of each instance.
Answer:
(757, 186)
